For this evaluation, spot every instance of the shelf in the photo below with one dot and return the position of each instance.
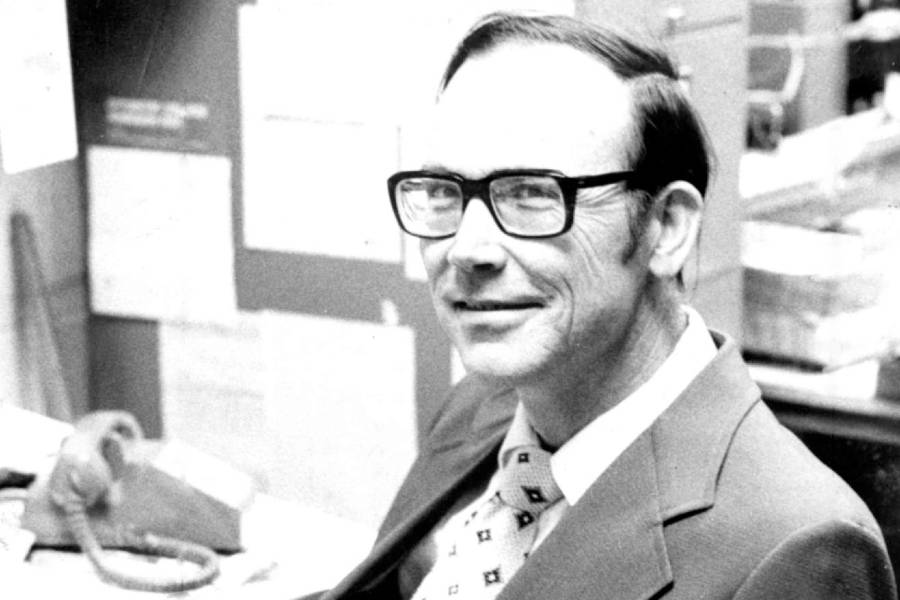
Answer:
(841, 403)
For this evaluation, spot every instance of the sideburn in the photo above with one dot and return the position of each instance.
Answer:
(638, 217)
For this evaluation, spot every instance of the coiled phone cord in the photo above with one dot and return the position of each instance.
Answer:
(204, 558)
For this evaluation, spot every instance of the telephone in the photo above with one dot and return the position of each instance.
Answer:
(110, 487)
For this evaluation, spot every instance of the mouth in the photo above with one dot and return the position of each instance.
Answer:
(493, 305)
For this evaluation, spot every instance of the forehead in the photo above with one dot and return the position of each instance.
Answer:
(540, 105)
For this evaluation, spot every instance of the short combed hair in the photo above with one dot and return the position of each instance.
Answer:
(670, 140)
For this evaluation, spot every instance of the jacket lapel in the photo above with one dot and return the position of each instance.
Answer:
(692, 438)
(431, 487)
(609, 545)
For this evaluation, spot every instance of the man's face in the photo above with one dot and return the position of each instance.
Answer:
(519, 308)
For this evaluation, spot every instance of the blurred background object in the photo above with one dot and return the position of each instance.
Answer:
(873, 51)
(776, 71)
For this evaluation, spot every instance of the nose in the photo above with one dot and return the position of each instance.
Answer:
(477, 245)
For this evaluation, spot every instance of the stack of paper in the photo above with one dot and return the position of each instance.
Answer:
(812, 296)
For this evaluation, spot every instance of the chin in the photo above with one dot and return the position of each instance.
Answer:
(499, 361)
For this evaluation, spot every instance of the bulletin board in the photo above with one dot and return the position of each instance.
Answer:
(158, 132)
(168, 241)
(245, 173)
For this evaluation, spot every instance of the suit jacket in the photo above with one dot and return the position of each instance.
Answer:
(715, 500)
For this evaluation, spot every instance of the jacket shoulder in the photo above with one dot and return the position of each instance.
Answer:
(790, 524)
(833, 559)
(769, 470)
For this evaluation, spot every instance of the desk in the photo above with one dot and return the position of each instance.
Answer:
(840, 403)
(291, 549)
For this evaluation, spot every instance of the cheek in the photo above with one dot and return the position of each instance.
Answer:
(597, 246)
(599, 278)
(434, 255)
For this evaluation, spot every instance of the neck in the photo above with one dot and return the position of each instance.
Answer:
(562, 403)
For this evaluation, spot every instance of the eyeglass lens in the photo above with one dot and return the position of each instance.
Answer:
(523, 204)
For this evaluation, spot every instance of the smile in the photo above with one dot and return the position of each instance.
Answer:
(488, 306)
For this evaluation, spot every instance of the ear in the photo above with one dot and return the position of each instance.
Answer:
(678, 210)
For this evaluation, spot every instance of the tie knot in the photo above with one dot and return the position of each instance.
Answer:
(525, 480)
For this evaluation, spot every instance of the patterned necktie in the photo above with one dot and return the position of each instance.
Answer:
(497, 537)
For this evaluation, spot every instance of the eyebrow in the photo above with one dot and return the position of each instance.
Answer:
(597, 194)
(437, 169)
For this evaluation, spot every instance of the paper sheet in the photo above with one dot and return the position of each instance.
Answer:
(295, 401)
(358, 60)
(29, 441)
(319, 188)
(213, 374)
(340, 396)
(310, 60)
(37, 113)
(161, 235)
(324, 97)
(317, 149)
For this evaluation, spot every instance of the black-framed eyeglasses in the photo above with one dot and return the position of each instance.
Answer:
(525, 203)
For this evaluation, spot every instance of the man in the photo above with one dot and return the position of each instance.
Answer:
(560, 202)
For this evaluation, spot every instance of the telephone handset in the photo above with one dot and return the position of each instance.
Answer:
(87, 479)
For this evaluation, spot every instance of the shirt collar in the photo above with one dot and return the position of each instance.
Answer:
(581, 460)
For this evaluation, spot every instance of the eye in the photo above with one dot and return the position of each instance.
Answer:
(425, 193)
(442, 190)
(528, 192)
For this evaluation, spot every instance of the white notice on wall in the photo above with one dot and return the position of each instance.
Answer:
(319, 188)
(212, 373)
(356, 60)
(342, 418)
(160, 235)
(37, 113)
(324, 98)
